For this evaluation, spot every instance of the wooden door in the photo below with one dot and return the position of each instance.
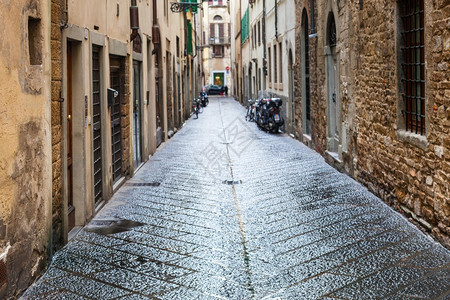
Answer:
(70, 206)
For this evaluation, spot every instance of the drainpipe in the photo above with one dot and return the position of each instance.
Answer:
(265, 67)
(276, 20)
(134, 20)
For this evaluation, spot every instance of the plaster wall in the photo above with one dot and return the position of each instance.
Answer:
(25, 148)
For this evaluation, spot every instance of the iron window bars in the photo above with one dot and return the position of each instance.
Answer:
(413, 65)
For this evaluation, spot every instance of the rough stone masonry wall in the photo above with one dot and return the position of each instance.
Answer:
(318, 94)
(413, 180)
(57, 7)
(316, 119)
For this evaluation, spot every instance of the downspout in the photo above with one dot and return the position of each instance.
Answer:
(134, 20)
(276, 20)
(265, 67)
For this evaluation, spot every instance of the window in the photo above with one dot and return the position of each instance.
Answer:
(218, 18)
(34, 41)
(280, 55)
(254, 36)
(275, 67)
(218, 51)
(270, 64)
(413, 65)
(259, 32)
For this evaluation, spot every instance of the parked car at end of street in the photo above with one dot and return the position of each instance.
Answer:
(213, 89)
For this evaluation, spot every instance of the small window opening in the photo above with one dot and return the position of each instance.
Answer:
(34, 41)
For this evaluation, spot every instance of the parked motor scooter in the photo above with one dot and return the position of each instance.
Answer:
(268, 114)
(204, 99)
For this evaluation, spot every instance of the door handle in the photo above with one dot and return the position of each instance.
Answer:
(334, 97)
(69, 118)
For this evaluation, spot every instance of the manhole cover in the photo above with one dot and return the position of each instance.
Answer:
(154, 184)
(232, 182)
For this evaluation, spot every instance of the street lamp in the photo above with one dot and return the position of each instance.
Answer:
(178, 7)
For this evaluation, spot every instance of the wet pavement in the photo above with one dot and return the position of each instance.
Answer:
(226, 211)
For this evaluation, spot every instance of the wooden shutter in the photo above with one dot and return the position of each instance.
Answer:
(211, 31)
(221, 30)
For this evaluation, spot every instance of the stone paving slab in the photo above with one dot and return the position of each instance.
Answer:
(227, 211)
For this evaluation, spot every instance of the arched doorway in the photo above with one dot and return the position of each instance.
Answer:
(306, 90)
(333, 103)
(291, 93)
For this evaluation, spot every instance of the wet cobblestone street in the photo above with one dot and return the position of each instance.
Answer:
(227, 211)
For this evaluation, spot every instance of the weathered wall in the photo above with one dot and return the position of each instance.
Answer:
(408, 171)
(414, 178)
(57, 9)
(25, 161)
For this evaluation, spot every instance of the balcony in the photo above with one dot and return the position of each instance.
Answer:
(220, 41)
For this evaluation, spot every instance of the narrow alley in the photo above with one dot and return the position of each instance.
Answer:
(226, 211)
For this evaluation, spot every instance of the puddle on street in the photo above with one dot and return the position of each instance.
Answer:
(106, 227)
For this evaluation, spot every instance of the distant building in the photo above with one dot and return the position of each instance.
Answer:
(217, 35)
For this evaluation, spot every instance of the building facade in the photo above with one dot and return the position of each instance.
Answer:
(87, 99)
(217, 41)
(25, 150)
(235, 15)
(382, 109)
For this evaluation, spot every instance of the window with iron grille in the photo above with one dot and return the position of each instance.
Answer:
(413, 65)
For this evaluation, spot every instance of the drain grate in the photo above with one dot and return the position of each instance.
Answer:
(154, 184)
(3, 277)
(232, 182)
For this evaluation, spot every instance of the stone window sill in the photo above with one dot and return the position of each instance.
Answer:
(417, 140)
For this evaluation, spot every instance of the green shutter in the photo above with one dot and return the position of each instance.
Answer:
(244, 27)
(189, 38)
(193, 8)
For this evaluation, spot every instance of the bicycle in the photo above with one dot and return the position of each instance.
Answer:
(250, 116)
(195, 107)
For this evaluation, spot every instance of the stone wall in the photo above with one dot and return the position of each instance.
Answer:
(56, 88)
(414, 177)
(408, 171)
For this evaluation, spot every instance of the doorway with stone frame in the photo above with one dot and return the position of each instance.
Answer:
(332, 77)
